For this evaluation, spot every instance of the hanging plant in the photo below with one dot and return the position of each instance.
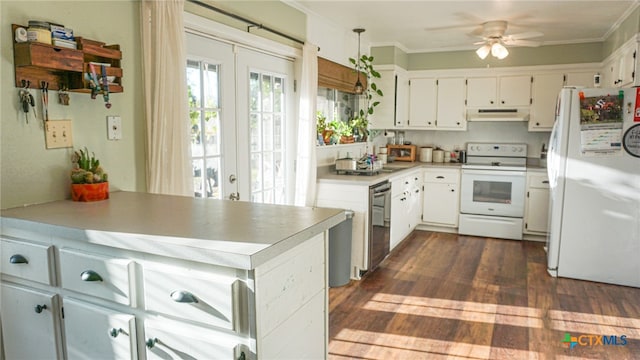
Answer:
(360, 121)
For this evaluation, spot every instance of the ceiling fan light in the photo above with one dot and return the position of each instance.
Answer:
(483, 51)
(498, 50)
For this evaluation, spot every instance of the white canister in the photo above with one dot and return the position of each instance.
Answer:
(426, 154)
(382, 150)
(438, 156)
(382, 157)
(447, 156)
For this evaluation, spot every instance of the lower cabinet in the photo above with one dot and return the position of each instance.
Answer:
(95, 332)
(406, 211)
(441, 198)
(536, 204)
(30, 319)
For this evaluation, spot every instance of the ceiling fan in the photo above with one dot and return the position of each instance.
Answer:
(494, 39)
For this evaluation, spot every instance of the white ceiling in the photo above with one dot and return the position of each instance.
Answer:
(427, 25)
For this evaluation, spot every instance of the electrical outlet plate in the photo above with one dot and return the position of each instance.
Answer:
(114, 127)
(58, 134)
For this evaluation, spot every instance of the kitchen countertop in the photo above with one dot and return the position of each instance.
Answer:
(220, 232)
(327, 174)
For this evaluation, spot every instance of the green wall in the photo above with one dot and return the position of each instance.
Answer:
(28, 172)
(269, 13)
(627, 29)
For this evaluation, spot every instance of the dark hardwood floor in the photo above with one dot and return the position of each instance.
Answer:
(447, 296)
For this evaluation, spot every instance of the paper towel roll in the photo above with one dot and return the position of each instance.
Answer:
(21, 34)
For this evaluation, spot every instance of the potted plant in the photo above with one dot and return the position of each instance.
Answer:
(343, 130)
(88, 178)
(360, 122)
(324, 134)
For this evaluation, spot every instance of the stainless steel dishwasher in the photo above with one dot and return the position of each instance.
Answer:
(379, 223)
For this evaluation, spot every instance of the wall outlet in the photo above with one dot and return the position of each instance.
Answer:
(58, 134)
(114, 128)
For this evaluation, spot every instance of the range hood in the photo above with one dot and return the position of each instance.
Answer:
(497, 115)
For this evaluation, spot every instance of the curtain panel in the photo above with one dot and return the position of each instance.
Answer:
(169, 169)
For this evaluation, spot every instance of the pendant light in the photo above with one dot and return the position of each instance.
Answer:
(358, 88)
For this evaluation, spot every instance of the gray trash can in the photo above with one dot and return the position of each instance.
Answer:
(340, 252)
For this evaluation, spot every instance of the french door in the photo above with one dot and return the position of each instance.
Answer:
(240, 105)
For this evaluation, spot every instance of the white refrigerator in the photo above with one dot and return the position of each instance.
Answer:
(593, 165)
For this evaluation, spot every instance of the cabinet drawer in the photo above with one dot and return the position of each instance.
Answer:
(96, 275)
(27, 260)
(193, 295)
(539, 181)
(170, 340)
(442, 176)
(48, 56)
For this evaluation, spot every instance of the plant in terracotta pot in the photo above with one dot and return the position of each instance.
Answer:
(89, 181)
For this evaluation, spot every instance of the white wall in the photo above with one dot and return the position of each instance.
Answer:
(510, 132)
(29, 172)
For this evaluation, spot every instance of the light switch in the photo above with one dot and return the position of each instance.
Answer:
(114, 128)
(58, 134)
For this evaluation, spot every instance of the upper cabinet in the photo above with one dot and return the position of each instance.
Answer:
(393, 110)
(579, 79)
(423, 95)
(619, 68)
(544, 92)
(502, 91)
(451, 111)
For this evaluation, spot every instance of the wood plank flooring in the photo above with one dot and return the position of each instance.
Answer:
(446, 296)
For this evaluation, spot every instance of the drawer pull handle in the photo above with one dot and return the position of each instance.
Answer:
(151, 343)
(39, 308)
(439, 177)
(183, 297)
(18, 259)
(90, 275)
(545, 182)
(115, 332)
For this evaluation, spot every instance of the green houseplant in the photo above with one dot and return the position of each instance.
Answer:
(89, 181)
(360, 121)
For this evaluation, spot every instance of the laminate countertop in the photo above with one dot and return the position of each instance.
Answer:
(238, 234)
(328, 174)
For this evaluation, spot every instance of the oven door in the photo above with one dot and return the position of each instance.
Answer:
(493, 192)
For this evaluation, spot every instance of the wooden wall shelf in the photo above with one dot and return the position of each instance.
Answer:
(63, 67)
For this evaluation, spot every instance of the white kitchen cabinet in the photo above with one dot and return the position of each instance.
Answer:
(96, 332)
(619, 69)
(423, 95)
(511, 91)
(451, 110)
(27, 261)
(393, 110)
(536, 209)
(441, 197)
(545, 89)
(30, 323)
(579, 79)
(406, 200)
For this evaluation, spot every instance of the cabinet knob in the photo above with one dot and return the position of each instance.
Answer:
(183, 297)
(429, 123)
(39, 308)
(18, 259)
(491, 102)
(453, 190)
(90, 275)
(502, 101)
(115, 332)
(537, 124)
(458, 123)
(151, 343)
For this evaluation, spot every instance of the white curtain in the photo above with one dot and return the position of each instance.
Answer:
(306, 155)
(169, 169)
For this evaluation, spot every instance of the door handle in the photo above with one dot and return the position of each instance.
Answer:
(234, 196)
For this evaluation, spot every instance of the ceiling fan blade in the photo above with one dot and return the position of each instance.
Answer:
(479, 42)
(529, 43)
(525, 35)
